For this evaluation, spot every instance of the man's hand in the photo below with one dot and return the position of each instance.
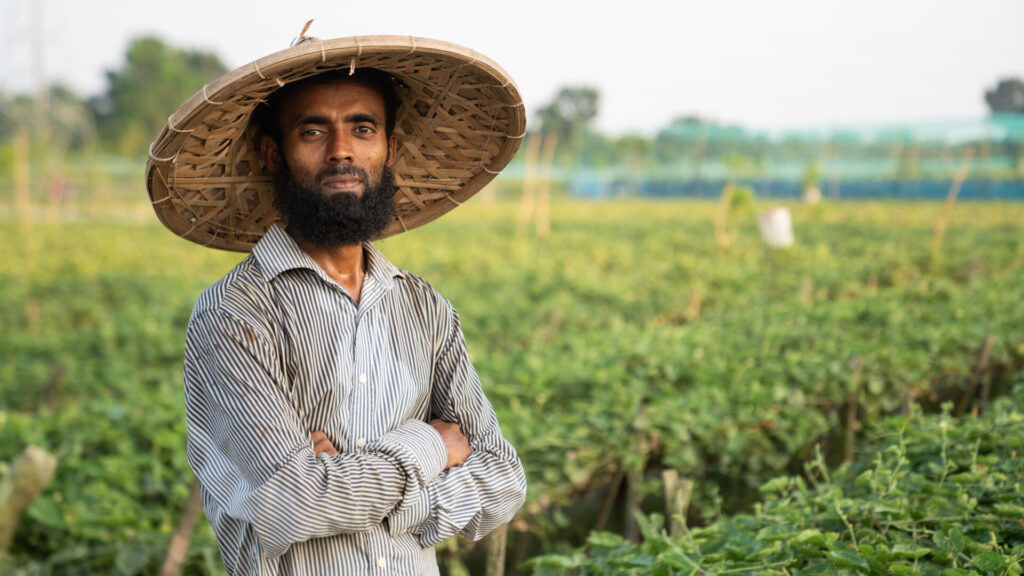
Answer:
(454, 440)
(322, 444)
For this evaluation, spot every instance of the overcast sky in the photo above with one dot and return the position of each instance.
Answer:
(759, 63)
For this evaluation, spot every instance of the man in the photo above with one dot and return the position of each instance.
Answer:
(336, 424)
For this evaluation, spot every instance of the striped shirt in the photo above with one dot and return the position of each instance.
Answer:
(275, 350)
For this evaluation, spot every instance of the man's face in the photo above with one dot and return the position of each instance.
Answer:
(332, 178)
(327, 126)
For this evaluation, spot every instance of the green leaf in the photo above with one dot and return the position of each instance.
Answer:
(956, 541)
(845, 557)
(910, 551)
(47, 512)
(776, 532)
(1010, 510)
(813, 537)
(989, 561)
(131, 560)
(967, 477)
(605, 540)
(778, 484)
(903, 569)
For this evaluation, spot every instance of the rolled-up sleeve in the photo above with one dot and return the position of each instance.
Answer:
(486, 490)
(254, 457)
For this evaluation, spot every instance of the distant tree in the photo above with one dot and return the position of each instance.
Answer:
(154, 80)
(569, 115)
(56, 118)
(1007, 97)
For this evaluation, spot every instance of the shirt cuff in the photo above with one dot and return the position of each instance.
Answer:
(409, 516)
(425, 445)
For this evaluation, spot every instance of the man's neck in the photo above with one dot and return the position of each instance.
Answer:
(345, 264)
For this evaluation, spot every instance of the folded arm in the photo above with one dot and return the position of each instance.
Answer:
(255, 458)
(486, 490)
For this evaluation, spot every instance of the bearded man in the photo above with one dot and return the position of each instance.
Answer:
(335, 422)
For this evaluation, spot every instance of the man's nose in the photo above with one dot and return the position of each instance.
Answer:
(340, 149)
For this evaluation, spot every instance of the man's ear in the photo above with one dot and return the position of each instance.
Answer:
(392, 149)
(269, 152)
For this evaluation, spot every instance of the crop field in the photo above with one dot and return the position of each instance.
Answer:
(851, 405)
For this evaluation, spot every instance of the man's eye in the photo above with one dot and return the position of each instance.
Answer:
(312, 132)
(364, 129)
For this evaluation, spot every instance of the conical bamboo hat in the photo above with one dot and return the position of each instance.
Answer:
(460, 121)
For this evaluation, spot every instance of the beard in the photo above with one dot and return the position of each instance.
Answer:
(338, 219)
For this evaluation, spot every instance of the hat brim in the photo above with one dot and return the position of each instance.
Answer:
(460, 121)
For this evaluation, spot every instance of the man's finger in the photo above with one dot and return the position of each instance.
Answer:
(321, 443)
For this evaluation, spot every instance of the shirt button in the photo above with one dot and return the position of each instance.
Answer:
(362, 378)
(361, 442)
(382, 563)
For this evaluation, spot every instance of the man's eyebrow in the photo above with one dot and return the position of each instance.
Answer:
(368, 117)
(311, 119)
(353, 118)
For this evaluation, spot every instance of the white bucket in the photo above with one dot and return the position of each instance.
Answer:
(776, 227)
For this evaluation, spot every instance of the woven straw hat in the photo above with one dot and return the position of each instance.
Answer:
(460, 121)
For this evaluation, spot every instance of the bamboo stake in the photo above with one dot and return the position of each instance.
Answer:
(547, 159)
(609, 500)
(833, 156)
(677, 501)
(497, 544)
(807, 292)
(528, 199)
(633, 481)
(693, 310)
(634, 478)
(947, 209)
(452, 562)
(851, 409)
(22, 177)
(53, 386)
(177, 550)
(979, 369)
(28, 476)
(722, 216)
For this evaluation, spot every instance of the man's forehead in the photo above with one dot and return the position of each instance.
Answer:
(317, 91)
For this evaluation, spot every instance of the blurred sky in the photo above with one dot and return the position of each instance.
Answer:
(762, 64)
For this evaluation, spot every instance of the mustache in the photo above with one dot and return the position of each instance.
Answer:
(341, 170)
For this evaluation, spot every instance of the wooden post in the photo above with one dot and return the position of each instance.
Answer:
(547, 159)
(22, 177)
(634, 479)
(807, 292)
(833, 158)
(609, 501)
(496, 548)
(677, 501)
(454, 564)
(528, 199)
(947, 209)
(856, 364)
(722, 217)
(29, 474)
(53, 387)
(979, 369)
(693, 310)
(907, 405)
(177, 550)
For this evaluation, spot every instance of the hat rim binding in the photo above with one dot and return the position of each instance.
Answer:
(167, 175)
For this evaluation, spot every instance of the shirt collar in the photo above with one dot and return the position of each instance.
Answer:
(277, 252)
